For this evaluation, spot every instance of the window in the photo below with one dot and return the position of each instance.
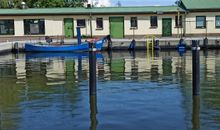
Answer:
(180, 21)
(6, 27)
(217, 21)
(81, 23)
(99, 23)
(134, 22)
(200, 21)
(34, 26)
(153, 21)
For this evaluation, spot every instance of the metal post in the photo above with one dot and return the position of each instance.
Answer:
(178, 22)
(92, 86)
(196, 67)
(196, 113)
(205, 43)
(78, 35)
(90, 22)
(92, 69)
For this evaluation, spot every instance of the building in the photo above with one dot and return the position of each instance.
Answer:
(189, 18)
(202, 18)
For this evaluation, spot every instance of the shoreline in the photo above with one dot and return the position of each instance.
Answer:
(122, 44)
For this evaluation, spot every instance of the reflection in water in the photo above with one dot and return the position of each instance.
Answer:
(34, 90)
(93, 112)
(196, 113)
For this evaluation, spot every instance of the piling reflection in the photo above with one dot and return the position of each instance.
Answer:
(196, 113)
(93, 111)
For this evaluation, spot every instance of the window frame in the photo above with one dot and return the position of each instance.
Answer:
(180, 21)
(9, 28)
(201, 27)
(79, 24)
(40, 23)
(152, 20)
(97, 23)
(216, 21)
(133, 22)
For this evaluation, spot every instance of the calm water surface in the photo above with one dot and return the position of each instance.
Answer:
(134, 91)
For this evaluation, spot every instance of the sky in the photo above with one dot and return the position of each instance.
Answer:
(134, 2)
(142, 2)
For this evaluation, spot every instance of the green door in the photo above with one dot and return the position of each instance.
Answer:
(116, 27)
(167, 27)
(68, 27)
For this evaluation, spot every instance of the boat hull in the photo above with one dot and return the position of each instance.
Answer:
(30, 47)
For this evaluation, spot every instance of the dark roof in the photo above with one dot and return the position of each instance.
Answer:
(95, 10)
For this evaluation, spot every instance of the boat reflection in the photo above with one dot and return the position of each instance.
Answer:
(61, 55)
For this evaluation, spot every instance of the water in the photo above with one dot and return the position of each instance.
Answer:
(134, 91)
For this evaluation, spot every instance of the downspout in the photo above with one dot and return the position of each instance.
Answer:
(178, 22)
(184, 29)
(90, 20)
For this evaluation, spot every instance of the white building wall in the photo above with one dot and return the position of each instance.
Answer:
(210, 28)
(106, 25)
(19, 26)
(54, 25)
(144, 27)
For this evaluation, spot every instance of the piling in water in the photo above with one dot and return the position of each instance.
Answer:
(92, 86)
(92, 69)
(196, 67)
(205, 43)
(15, 47)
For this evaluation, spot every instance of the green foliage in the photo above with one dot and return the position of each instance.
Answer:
(4, 4)
(42, 3)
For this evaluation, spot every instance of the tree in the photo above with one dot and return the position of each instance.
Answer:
(75, 3)
(42, 3)
(4, 4)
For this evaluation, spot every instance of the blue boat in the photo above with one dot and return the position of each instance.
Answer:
(37, 47)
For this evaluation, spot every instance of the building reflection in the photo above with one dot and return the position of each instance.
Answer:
(21, 80)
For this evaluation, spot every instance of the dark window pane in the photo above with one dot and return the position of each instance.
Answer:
(6, 27)
(81, 22)
(180, 21)
(99, 23)
(200, 21)
(153, 21)
(134, 22)
(217, 21)
(34, 26)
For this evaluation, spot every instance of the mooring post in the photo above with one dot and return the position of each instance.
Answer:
(196, 67)
(78, 35)
(92, 86)
(108, 37)
(92, 68)
(205, 42)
